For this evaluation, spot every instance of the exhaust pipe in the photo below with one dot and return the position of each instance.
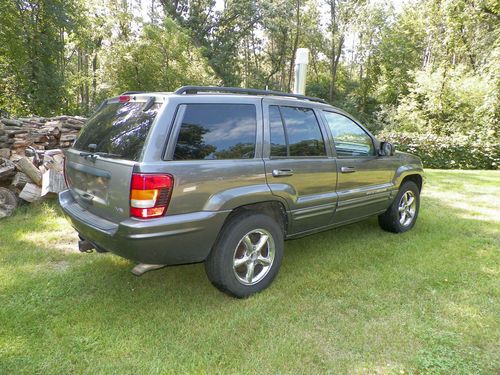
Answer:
(301, 61)
(142, 268)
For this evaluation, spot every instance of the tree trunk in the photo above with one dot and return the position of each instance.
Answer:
(335, 67)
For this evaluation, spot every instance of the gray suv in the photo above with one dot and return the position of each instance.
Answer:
(225, 175)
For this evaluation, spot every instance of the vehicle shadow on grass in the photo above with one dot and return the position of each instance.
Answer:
(95, 295)
(357, 245)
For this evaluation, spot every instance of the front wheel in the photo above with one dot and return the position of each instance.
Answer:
(247, 255)
(403, 212)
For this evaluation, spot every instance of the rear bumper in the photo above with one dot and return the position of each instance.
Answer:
(175, 239)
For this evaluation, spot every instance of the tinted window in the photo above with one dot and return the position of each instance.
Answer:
(217, 131)
(278, 141)
(350, 139)
(118, 128)
(304, 134)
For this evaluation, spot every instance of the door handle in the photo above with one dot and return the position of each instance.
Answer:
(348, 169)
(282, 172)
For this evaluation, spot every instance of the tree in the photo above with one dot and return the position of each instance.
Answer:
(32, 58)
(162, 58)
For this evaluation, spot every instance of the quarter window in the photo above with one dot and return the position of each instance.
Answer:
(349, 138)
(301, 135)
(217, 131)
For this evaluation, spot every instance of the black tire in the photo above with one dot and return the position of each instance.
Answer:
(230, 247)
(392, 220)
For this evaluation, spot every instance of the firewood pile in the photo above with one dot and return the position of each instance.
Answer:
(31, 158)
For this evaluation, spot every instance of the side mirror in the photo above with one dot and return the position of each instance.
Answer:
(386, 149)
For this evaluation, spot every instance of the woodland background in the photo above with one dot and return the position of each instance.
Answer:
(424, 74)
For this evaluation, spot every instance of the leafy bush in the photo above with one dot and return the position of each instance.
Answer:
(448, 152)
(447, 102)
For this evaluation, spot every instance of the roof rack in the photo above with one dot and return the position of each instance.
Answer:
(132, 92)
(239, 90)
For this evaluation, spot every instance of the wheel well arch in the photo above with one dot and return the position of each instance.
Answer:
(274, 209)
(416, 178)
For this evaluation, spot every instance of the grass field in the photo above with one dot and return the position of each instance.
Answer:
(350, 300)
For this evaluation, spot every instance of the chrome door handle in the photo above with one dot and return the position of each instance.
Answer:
(282, 172)
(348, 170)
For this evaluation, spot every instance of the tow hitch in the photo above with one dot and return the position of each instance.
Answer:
(85, 246)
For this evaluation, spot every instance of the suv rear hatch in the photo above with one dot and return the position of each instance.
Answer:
(99, 166)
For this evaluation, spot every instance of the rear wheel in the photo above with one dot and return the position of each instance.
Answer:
(403, 212)
(247, 255)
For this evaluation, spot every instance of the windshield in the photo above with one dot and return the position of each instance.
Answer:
(119, 129)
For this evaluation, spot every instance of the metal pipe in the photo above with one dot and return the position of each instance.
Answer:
(141, 268)
(301, 61)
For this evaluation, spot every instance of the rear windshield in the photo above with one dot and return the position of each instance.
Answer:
(119, 129)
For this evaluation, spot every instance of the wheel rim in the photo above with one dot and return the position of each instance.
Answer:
(253, 257)
(407, 208)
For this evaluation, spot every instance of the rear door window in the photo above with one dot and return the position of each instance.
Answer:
(301, 132)
(278, 138)
(119, 129)
(217, 131)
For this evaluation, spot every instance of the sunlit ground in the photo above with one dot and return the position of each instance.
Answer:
(351, 300)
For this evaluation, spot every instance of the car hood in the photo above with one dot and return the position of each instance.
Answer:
(407, 158)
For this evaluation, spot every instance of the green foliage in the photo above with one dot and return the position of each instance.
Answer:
(161, 59)
(32, 49)
(446, 103)
(432, 67)
(445, 152)
(399, 54)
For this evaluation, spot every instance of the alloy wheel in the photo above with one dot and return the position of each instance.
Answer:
(253, 257)
(407, 208)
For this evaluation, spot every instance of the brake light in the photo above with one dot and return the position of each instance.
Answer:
(123, 98)
(150, 194)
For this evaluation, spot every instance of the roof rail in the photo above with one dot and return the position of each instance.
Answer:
(132, 92)
(239, 90)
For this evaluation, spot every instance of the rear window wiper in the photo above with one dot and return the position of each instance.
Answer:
(149, 104)
(93, 155)
(107, 154)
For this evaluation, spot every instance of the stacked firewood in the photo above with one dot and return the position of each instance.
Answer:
(31, 158)
(38, 132)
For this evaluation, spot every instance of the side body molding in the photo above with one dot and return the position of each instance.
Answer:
(240, 196)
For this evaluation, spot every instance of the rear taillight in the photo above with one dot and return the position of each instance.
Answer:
(123, 98)
(150, 194)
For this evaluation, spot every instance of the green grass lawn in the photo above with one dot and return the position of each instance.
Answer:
(350, 300)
